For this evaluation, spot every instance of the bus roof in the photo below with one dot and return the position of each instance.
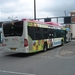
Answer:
(47, 23)
(53, 23)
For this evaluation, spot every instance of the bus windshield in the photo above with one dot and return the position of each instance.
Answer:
(13, 28)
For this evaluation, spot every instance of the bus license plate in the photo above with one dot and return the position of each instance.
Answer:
(13, 48)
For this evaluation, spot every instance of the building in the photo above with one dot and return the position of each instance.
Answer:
(72, 26)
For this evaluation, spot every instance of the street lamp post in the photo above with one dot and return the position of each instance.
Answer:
(65, 12)
(34, 10)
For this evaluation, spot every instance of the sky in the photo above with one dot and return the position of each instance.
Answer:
(19, 9)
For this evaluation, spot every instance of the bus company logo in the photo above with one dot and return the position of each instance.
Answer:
(15, 39)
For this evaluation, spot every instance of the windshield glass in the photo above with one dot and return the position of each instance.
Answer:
(13, 28)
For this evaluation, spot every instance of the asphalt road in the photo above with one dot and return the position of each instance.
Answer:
(57, 61)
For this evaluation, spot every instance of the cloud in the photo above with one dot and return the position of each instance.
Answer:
(19, 8)
(25, 8)
(57, 7)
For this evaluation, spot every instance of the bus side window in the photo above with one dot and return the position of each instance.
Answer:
(49, 36)
(52, 33)
(55, 35)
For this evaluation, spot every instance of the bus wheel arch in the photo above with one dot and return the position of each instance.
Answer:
(45, 46)
(62, 42)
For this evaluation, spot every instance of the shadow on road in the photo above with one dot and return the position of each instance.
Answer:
(28, 54)
(23, 54)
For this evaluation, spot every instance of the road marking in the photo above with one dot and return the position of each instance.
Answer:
(16, 72)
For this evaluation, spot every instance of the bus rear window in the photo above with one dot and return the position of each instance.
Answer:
(13, 28)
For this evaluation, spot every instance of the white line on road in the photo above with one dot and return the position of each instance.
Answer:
(15, 72)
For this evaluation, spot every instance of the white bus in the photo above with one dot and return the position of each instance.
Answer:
(29, 36)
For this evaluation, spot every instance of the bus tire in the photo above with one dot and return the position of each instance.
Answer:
(62, 42)
(45, 47)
